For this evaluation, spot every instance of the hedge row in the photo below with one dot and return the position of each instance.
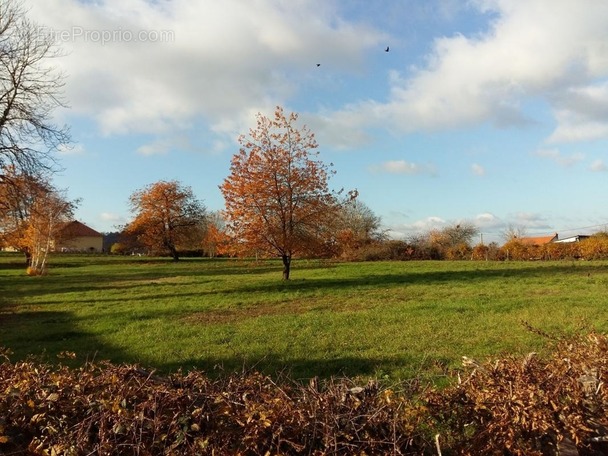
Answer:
(510, 406)
(592, 248)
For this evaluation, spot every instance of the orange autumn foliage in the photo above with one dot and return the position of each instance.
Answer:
(277, 196)
(167, 216)
(32, 212)
(216, 241)
(17, 195)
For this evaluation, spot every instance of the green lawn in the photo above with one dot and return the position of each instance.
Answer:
(393, 319)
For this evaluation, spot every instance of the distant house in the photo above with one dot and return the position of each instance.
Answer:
(77, 237)
(541, 240)
(575, 238)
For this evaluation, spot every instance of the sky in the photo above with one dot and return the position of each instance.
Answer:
(493, 112)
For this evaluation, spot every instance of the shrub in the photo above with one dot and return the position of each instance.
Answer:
(380, 250)
(119, 248)
(594, 247)
(510, 406)
(487, 252)
(517, 250)
(480, 252)
(458, 252)
(109, 409)
(561, 251)
(31, 271)
(532, 406)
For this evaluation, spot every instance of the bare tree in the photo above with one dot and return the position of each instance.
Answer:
(458, 234)
(513, 232)
(453, 241)
(30, 90)
(357, 217)
(50, 211)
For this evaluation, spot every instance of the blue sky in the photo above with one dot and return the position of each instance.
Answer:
(488, 111)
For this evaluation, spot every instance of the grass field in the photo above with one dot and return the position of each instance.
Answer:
(385, 319)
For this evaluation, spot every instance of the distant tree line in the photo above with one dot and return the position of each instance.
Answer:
(356, 234)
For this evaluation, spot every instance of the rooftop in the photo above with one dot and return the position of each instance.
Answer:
(78, 229)
(540, 240)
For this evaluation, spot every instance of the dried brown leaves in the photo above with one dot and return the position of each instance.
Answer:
(511, 406)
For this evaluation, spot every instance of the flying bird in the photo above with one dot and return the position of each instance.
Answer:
(318, 64)
(387, 49)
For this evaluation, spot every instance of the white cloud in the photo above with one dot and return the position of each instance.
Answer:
(164, 145)
(536, 48)
(478, 170)
(403, 167)
(110, 217)
(559, 158)
(336, 132)
(485, 222)
(219, 146)
(488, 221)
(530, 221)
(416, 228)
(155, 148)
(582, 114)
(494, 227)
(221, 60)
(491, 227)
(598, 166)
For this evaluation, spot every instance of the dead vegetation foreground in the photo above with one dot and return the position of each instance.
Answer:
(534, 405)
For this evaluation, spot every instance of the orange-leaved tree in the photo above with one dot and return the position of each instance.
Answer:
(31, 213)
(17, 194)
(216, 240)
(277, 196)
(168, 216)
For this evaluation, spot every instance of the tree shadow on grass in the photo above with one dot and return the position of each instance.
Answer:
(150, 282)
(132, 277)
(185, 266)
(13, 266)
(44, 335)
(303, 369)
(565, 271)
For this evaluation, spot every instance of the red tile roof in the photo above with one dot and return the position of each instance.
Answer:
(78, 229)
(542, 240)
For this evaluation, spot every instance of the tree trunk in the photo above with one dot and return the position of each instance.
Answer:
(286, 266)
(28, 258)
(174, 253)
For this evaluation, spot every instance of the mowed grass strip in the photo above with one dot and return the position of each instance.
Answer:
(385, 319)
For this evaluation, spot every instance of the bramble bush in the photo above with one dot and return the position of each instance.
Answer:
(426, 248)
(530, 406)
(592, 248)
(535, 405)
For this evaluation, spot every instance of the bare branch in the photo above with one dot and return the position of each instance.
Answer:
(30, 90)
